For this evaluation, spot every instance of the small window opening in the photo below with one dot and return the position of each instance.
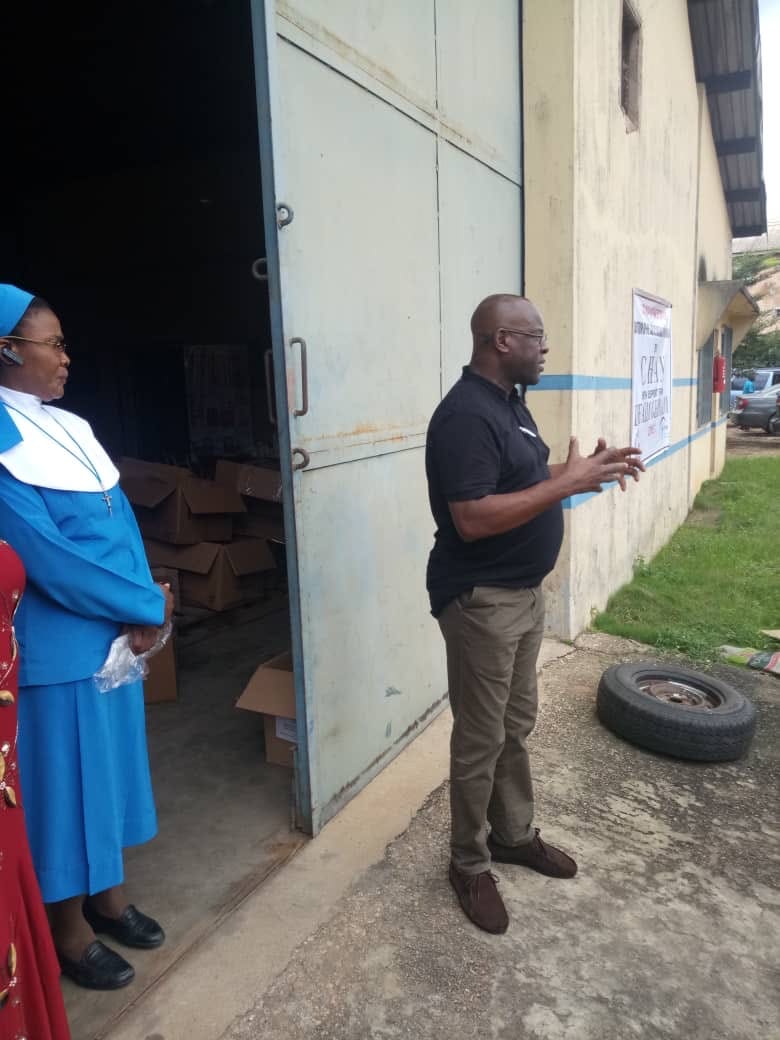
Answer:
(630, 55)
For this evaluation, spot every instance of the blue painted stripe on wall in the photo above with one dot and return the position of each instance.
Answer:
(578, 500)
(575, 382)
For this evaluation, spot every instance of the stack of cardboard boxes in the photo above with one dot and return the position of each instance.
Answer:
(261, 493)
(220, 539)
(271, 690)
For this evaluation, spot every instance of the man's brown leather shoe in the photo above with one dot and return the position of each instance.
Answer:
(478, 895)
(536, 854)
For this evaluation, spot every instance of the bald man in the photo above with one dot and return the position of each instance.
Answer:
(497, 506)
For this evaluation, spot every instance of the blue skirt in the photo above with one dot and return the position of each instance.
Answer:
(84, 770)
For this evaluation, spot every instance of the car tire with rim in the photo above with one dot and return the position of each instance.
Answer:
(676, 711)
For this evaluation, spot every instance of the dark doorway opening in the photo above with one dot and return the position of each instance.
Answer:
(132, 203)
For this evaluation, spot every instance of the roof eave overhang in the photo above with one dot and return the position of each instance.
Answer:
(726, 302)
(727, 55)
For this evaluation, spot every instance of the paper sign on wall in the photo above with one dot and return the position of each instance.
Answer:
(651, 375)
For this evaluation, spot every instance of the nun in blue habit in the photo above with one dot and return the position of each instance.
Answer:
(83, 756)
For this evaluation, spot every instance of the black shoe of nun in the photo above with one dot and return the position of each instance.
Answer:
(131, 928)
(98, 968)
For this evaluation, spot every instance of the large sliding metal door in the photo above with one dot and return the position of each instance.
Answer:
(392, 186)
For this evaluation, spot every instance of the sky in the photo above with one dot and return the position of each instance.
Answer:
(769, 15)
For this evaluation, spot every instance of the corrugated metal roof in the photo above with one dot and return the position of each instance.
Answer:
(727, 52)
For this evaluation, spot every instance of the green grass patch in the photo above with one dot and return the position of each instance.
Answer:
(718, 580)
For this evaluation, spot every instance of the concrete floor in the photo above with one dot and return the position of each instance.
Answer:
(224, 815)
(669, 931)
(226, 973)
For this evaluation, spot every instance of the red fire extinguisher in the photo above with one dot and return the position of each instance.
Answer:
(719, 374)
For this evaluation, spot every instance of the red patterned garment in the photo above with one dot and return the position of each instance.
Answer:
(31, 1005)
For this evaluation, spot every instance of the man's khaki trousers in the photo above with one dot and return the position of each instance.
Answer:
(493, 637)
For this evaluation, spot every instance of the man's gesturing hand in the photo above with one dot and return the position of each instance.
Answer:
(634, 465)
(588, 474)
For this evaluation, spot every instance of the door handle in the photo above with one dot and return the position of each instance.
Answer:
(304, 377)
(305, 458)
(269, 385)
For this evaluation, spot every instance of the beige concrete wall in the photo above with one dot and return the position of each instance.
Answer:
(701, 462)
(714, 246)
(550, 217)
(718, 453)
(610, 209)
(713, 265)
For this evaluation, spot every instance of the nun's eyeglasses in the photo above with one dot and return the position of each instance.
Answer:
(56, 344)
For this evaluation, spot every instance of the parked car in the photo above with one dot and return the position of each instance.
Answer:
(764, 378)
(755, 410)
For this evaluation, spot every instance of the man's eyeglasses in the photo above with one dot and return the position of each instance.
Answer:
(56, 344)
(540, 336)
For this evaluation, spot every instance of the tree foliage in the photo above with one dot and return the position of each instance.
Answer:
(759, 349)
(749, 267)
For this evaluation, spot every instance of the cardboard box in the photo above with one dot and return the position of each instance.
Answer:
(271, 531)
(278, 749)
(271, 692)
(252, 481)
(169, 576)
(174, 506)
(160, 684)
(270, 510)
(257, 525)
(214, 575)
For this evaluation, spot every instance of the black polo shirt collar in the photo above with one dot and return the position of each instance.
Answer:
(470, 374)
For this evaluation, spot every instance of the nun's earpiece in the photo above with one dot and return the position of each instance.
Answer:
(10, 357)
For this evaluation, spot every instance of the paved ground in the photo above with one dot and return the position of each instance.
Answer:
(669, 931)
(751, 442)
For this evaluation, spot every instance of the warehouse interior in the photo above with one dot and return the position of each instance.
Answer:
(133, 205)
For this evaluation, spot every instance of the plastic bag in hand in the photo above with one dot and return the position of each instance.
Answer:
(123, 667)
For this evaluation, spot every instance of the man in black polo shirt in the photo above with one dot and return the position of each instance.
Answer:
(497, 507)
